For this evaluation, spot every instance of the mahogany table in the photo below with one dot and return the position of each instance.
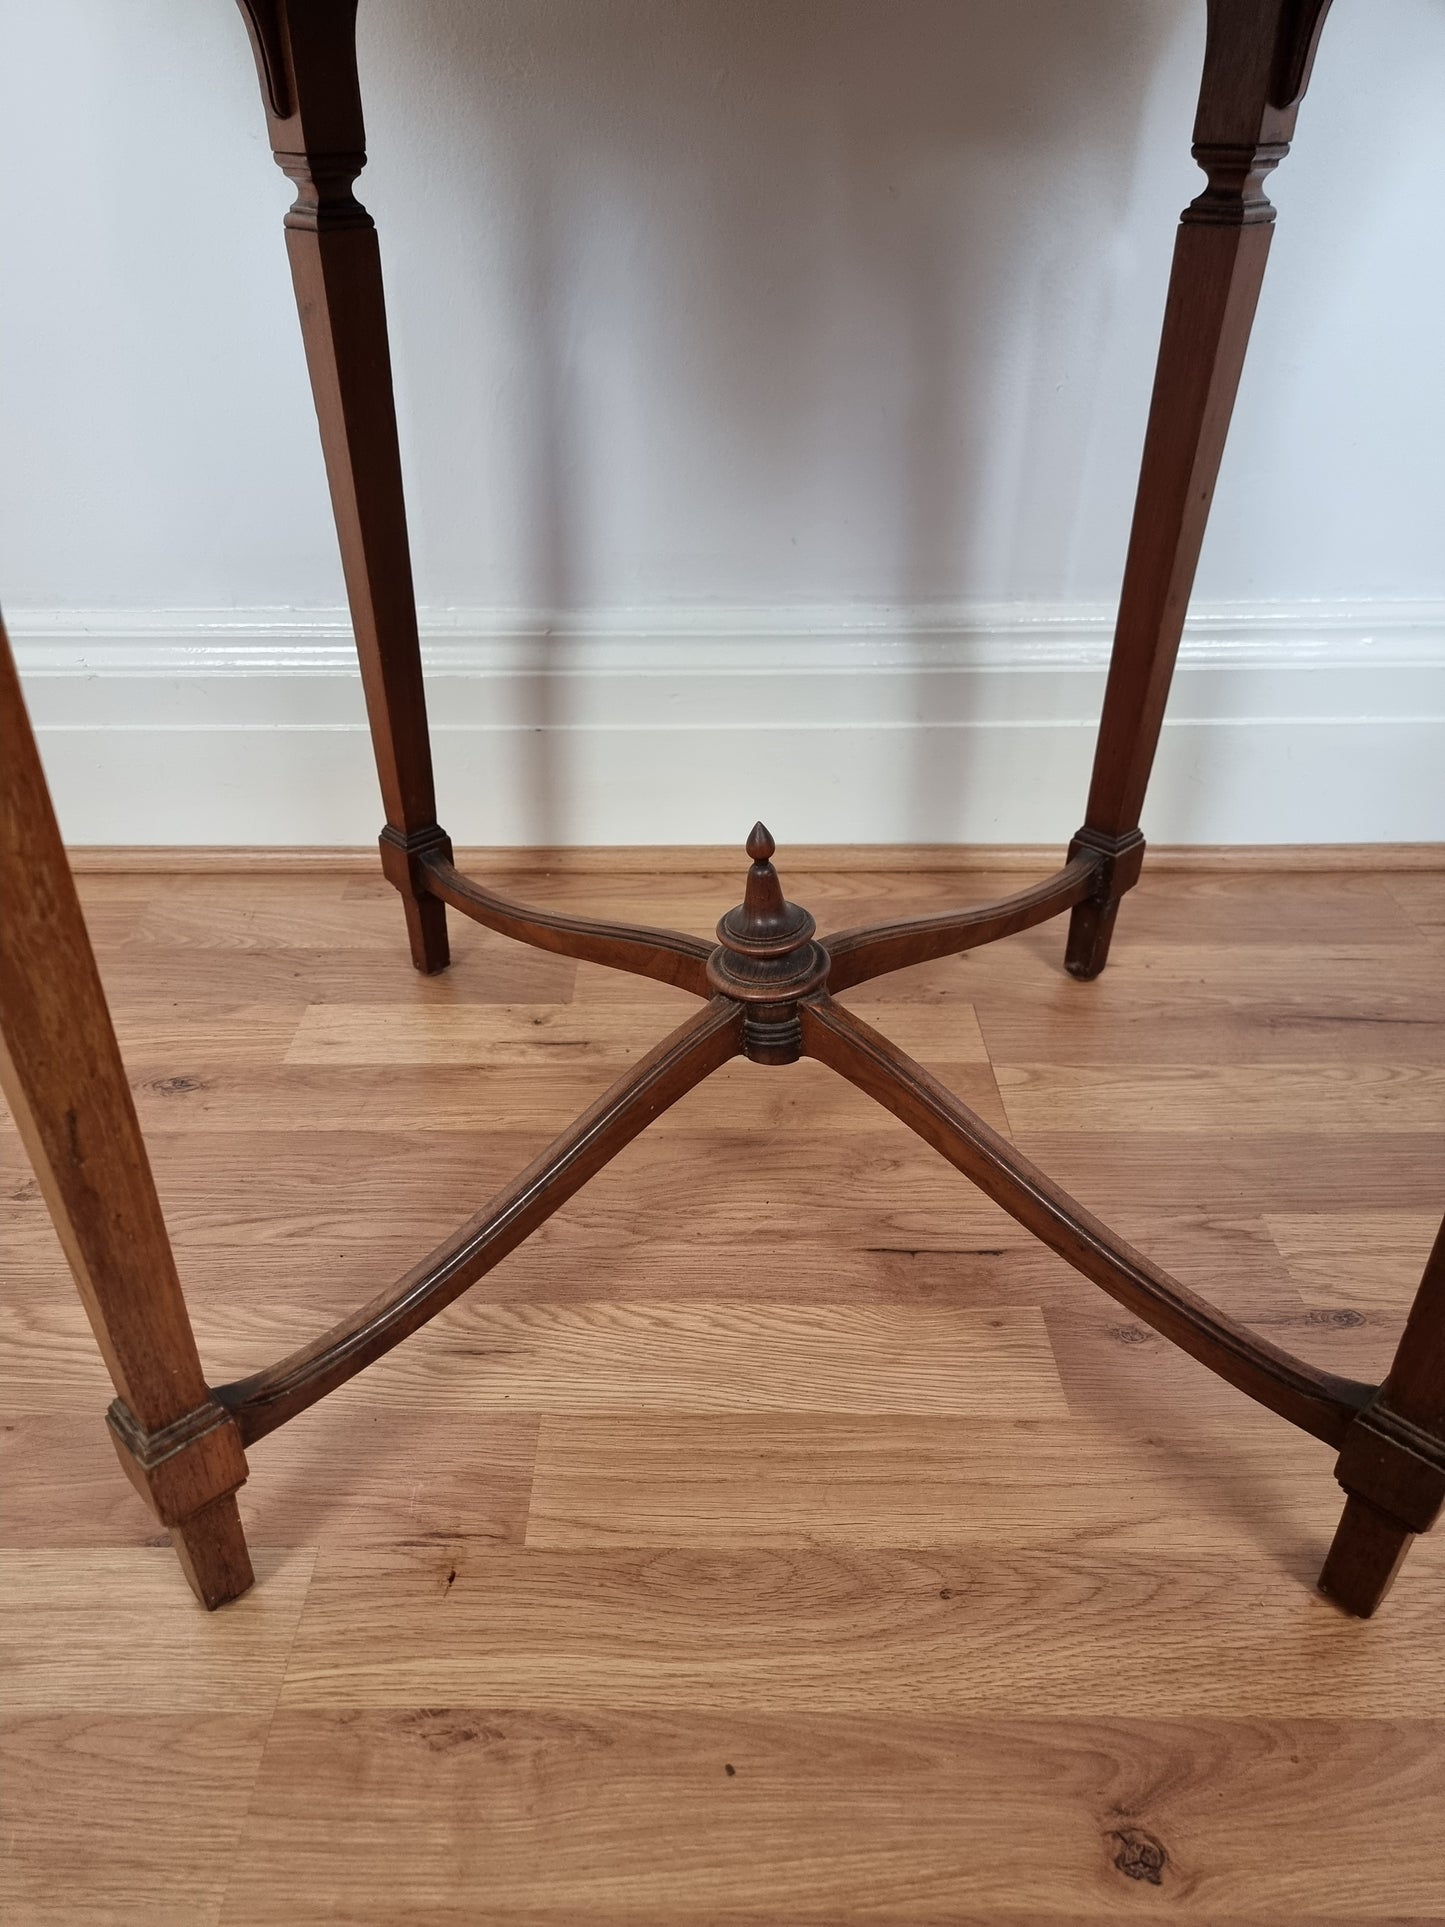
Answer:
(767, 988)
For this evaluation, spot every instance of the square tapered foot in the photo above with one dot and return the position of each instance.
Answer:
(1091, 925)
(426, 929)
(211, 1547)
(1368, 1550)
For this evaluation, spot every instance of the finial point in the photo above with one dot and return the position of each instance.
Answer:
(766, 959)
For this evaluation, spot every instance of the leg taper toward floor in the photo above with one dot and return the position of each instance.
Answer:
(306, 55)
(1369, 1549)
(1256, 67)
(66, 1085)
(1392, 1464)
(212, 1552)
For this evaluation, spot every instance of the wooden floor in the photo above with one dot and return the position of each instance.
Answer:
(780, 1536)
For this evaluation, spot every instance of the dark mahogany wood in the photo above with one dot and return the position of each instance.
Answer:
(691, 1053)
(1316, 1401)
(65, 1083)
(668, 955)
(878, 948)
(769, 982)
(306, 58)
(1256, 67)
(1393, 1462)
(766, 959)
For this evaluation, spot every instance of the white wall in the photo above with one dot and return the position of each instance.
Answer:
(793, 348)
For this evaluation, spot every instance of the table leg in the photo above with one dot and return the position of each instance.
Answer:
(306, 56)
(1393, 1462)
(65, 1082)
(1256, 67)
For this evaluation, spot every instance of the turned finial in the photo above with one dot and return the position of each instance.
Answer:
(764, 919)
(764, 924)
(766, 958)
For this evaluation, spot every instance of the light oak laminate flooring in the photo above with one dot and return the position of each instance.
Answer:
(780, 1535)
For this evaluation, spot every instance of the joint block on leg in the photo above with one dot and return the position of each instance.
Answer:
(402, 852)
(1119, 860)
(1394, 1478)
(184, 1466)
(1394, 1466)
(188, 1473)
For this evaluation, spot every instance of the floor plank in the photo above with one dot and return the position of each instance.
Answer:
(1208, 1099)
(536, 1093)
(730, 1355)
(957, 1630)
(125, 1817)
(780, 1480)
(605, 1815)
(1369, 1258)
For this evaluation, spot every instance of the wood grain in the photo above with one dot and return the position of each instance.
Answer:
(485, 970)
(1132, 1651)
(1208, 1099)
(354, 1472)
(1422, 898)
(119, 1816)
(986, 1484)
(70, 1103)
(724, 1355)
(527, 1033)
(1206, 1005)
(468, 1034)
(610, 1815)
(538, 1093)
(1364, 1259)
(108, 1630)
(1056, 1634)
(1119, 1365)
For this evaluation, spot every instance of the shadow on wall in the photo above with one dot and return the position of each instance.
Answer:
(770, 292)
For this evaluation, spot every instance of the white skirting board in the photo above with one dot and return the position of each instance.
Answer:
(1288, 723)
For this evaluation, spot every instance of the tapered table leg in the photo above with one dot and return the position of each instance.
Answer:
(306, 57)
(1256, 67)
(65, 1083)
(1393, 1462)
